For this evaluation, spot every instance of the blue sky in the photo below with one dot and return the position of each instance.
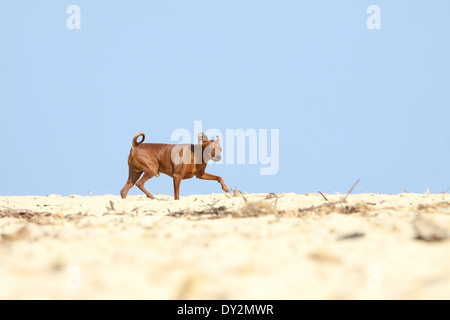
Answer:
(349, 102)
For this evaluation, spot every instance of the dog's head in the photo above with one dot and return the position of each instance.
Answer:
(211, 148)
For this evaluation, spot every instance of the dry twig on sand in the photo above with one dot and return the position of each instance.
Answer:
(330, 203)
(326, 199)
(210, 213)
(6, 212)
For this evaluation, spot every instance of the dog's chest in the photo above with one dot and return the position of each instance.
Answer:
(194, 171)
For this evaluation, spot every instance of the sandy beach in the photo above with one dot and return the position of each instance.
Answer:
(256, 246)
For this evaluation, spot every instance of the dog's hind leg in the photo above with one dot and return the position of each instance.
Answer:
(140, 184)
(133, 176)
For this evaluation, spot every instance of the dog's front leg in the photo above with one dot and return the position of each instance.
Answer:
(176, 186)
(207, 176)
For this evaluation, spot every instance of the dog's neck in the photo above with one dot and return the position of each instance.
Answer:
(203, 145)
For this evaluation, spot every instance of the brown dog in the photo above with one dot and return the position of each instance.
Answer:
(182, 161)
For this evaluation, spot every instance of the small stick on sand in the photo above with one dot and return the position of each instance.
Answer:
(329, 204)
(237, 192)
(324, 196)
(350, 191)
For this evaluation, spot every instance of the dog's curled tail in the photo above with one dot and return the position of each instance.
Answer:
(135, 142)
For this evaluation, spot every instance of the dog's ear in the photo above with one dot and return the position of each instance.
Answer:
(202, 138)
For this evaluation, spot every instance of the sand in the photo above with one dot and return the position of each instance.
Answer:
(201, 247)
